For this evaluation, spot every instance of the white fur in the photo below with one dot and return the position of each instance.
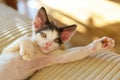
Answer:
(27, 45)
(13, 67)
(51, 35)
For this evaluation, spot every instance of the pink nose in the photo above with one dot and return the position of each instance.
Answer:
(48, 44)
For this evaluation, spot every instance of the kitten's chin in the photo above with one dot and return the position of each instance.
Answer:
(45, 51)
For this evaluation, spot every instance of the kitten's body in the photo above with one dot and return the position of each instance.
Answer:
(13, 67)
(14, 64)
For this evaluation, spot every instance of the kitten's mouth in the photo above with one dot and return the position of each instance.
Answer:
(45, 50)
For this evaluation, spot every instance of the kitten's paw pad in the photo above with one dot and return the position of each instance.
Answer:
(107, 42)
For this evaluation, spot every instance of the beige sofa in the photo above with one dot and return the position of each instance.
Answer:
(99, 66)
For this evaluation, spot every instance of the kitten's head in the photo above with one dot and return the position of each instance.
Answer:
(47, 35)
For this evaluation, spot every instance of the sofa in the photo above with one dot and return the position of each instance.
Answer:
(99, 66)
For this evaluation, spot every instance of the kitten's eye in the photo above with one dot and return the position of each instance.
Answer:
(56, 40)
(43, 35)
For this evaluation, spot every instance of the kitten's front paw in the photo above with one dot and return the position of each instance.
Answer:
(103, 43)
(27, 57)
(27, 50)
(107, 42)
(27, 54)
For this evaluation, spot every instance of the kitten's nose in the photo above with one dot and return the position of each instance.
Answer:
(48, 43)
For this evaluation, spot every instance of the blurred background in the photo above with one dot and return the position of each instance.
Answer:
(95, 18)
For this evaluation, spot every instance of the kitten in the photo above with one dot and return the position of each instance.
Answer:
(46, 38)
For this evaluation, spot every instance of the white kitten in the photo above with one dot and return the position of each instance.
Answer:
(46, 38)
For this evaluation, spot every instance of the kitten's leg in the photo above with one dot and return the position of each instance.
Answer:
(78, 53)
(23, 45)
(75, 54)
(27, 49)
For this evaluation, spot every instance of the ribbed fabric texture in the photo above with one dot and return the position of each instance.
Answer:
(12, 25)
(100, 66)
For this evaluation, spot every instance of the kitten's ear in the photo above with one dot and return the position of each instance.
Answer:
(67, 32)
(40, 19)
